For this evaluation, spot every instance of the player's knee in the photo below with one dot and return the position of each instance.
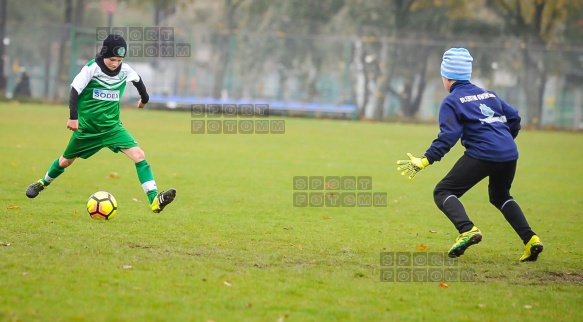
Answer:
(497, 201)
(63, 163)
(439, 196)
(498, 198)
(140, 155)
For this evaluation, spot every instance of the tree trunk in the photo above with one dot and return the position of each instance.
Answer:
(64, 59)
(79, 13)
(534, 84)
(365, 86)
(2, 35)
(225, 47)
(414, 81)
(361, 78)
(312, 86)
(382, 82)
(415, 103)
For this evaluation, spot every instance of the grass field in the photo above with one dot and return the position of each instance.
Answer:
(232, 247)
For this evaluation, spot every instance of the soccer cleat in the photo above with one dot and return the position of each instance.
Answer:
(35, 188)
(532, 249)
(162, 200)
(464, 241)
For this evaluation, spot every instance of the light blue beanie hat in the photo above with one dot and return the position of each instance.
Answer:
(457, 64)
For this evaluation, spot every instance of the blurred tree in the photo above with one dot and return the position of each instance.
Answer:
(396, 38)
(538, 24)
(301, 52)
(409, 58)
(73, 14)
(573, 55)
(2, 35)
(32, 28)
(224, 44)
(573, 37)
(63, 55)
(79, 14)
(163, 9)
(286, 32)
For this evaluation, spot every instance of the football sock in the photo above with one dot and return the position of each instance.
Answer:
(54, 171)
(455, 211)
(515, 217)
(146, 177)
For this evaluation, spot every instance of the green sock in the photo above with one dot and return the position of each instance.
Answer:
(146, 177)
(54, 171)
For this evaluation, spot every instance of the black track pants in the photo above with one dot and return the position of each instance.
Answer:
(465, 174)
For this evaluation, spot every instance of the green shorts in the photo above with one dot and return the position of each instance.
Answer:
(85, 145)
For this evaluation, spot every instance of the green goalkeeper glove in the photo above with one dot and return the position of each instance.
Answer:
(413, 166)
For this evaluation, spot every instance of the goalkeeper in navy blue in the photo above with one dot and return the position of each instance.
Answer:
(487, 127)
(94, 118)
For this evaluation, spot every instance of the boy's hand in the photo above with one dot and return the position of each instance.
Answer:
(73, 125)
(140, 104)
(413, 166)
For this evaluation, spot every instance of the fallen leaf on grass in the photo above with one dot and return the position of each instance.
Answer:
(113, 175)
(528, 307)
(421, 247)
(325, 217)
(12, 207)
(443, 284)
(432, 231)
(300, 246)
(227, 283)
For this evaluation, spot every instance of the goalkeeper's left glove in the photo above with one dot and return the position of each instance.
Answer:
(413, 166)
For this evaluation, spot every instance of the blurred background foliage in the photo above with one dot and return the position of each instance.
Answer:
(380, 56)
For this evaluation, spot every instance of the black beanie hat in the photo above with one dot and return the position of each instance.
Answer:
(113, 45)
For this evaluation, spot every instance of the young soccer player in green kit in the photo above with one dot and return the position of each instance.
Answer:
(94, 105)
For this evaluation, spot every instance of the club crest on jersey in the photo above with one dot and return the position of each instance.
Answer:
(105, 95)
(486, 110)
(489, 113)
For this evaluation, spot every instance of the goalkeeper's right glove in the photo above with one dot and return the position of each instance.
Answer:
(413, 166)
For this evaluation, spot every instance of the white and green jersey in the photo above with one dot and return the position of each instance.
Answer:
(99, 96)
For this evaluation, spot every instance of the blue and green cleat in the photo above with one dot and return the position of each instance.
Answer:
(464, 241)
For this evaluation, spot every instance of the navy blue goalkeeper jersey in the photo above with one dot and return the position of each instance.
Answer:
(485, 124)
